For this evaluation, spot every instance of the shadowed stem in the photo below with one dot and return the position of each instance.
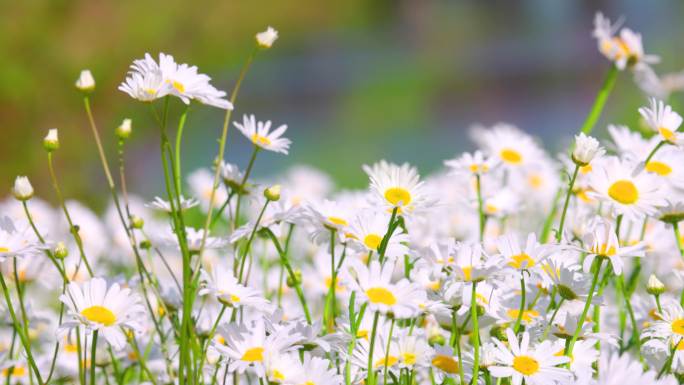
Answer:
(559, 234)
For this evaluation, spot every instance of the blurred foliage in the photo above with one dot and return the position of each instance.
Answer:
(355, 80)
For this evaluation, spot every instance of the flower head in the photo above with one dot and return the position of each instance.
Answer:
(22, 189)
(663, 120)
(261, 135)
(85, 81)
(266, 38)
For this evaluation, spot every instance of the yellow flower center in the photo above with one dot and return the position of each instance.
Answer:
(624, 191)
(510, 156)
(278, 375)
(391, 360)
(337, 221)
(17, 371)
(445, 363)
(99, 314)
(71, 348)
(339, 287)
(262, 140)
(668, 134)
(362, 334)
(659, 168)
(678, 326)
(527, 316)
(372, 241)
(178, 86)
(585, 169)
(536, 181)
(526, 365)
(603, 250)
(521, 261)
(408, 358)
(381, 295)
(478, 168)
(234, 298)
(398, 196)
(4, 250)
(254, 354)
(467, 272)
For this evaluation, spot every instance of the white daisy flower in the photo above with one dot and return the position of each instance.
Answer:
(662, 119)
(108, 310)
(14, 243)
(247, 345)
(616, 184)
(601, 241)
(373, 285)
(396, 186)
(522, 257)
(162, 205)
(624, 49)
(222, 284)
(369, 228)
(535, 366)
(474, 164)
(259, 133)
(513, 148)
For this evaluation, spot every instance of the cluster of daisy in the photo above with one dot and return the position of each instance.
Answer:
(509, 266)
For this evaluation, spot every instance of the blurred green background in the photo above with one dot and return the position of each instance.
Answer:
(354, 80)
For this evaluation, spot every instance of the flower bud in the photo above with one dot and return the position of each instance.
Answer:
(124, 130)
(145, 244)
(85, 82)
(265, 39)
(137, 222)
(51, 140)
(22, 189)
(296, 280)
(654, 286)
(272, 193)
(586, 148)
(61, 250)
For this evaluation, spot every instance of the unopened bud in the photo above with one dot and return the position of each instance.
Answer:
(272, 193)
(51, 140)
(137, 222)
(654, 286)
(61, 250)
(123, 132)
(22, 189)
(85, 82)
(265, 39)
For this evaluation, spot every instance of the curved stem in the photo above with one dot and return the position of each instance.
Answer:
(597, 266)
(387, 352)
(93, 358)
(236, 219)
(559, 234)
(480, 209)
(521, 311)
(475, 334)
(370, 371)
(600, 100)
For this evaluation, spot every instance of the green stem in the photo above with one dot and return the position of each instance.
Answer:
(653, 152)
(333, 285)
(521, 311)
(370, 371)
(600, 100)
(475, 334)
(293, 277)
(480, 209)
(559, 234)
(387, 352)
(236, 219)
(72, 228)
(391, 226)
(248, 246)
(93, 357)
(222, 147)
(553, 316)
(17, 327)
(597, 266)
(678, 239)
(177, 153)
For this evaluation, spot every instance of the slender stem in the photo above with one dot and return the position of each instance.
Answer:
(546, 230)
(521, 311)
(475, 334)
(98, 142)
(480, 209)
(657, 300)
(236, 219)
(600, 100)
(210, 337)
(678, 239)
(222, 146)
(370, 371)
(597, 266)
(248, 246)
(333, 284)
(177, 153)
(293, 277)
(72, 228)
(391, 226)
(387, 352)
(17, 327)
(553, 316)
(636, 337)
(559, 234)
(93, 357)
(653, 152)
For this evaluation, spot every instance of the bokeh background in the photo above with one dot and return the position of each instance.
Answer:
(354, 80)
